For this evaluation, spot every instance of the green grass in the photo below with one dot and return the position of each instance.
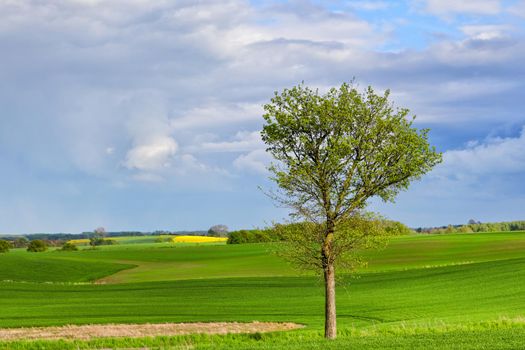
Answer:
(144, 262)
(53, 266)
(193, 262)
(437, 250)
(451, 294)
(492, 335)
(421, 292)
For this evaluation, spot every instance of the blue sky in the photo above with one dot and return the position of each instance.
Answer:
(140, 115)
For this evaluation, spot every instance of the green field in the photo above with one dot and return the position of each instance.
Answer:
(435, 291)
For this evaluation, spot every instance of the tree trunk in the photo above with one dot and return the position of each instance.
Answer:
(330, 326)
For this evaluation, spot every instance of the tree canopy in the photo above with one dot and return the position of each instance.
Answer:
(218, 231)
(337, 150)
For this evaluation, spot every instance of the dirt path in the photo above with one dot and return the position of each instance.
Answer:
(86, 332)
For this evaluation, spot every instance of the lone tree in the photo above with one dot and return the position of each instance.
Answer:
(218, 231)
(333, 152)
(98, 237)
(99, 232)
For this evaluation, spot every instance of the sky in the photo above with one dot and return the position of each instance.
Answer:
(145, 115)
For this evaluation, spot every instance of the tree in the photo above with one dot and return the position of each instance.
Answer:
(218, 231)
(333, 152)
(68, 246)
(4, 246)
(99, 232)
(96, 241)
(21, 242)
(37, 245)
(98, 237)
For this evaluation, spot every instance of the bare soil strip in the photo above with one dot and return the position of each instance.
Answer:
(87, 332)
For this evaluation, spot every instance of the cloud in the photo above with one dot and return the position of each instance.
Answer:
(189, 165)
(446, 7)
(209, 116)
(455, 82)
(487, 170)
(256, 161)
(370, 5)
(155, 155)
(493, 157)
(254, 157)
(481, 180)
(486, 31)
(243, 141)
(316, 24)
(518, 9)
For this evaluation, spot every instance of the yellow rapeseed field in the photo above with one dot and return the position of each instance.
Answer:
(197, 239)
(78, 241)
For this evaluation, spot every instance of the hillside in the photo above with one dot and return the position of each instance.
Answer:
(418, 286)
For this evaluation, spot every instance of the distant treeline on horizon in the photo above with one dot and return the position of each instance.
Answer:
(470, 227)
(83, 235)
(476, 226)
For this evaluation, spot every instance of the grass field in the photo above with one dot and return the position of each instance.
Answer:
(448, 291)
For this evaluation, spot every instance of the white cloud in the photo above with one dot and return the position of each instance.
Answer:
(518, 9)
(215, 115)
(370, 5)
(445, 7)
(486, 31)
(320, 26)
(242, 142)
(155, 155)
(153, 146)
(493, 157)
(255, 161)
(483, 180)
(189, 165)
(254, 158)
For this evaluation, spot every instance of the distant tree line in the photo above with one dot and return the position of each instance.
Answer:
(56, 239)
(46, 236)
(278, 233)
(254, 236)
(476, 226)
